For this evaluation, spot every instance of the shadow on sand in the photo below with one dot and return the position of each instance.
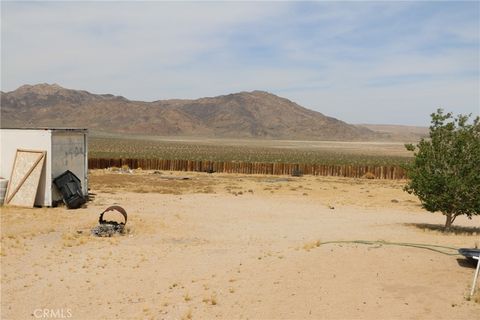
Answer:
(467, 263)
(458, 230)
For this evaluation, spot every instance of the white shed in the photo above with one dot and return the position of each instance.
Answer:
(66, 149)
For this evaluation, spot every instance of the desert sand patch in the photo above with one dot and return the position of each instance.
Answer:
(231, 247)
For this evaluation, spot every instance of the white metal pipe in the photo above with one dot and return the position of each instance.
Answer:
(474, 284)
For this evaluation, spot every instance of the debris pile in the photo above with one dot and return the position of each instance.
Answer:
(110, 228)
(125, 169)
(297, 172)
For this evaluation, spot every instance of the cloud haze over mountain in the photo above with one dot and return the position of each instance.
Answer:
(362, 62)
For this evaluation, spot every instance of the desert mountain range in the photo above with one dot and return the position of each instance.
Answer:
(255, 114)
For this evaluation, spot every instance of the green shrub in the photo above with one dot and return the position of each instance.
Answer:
(445, 173)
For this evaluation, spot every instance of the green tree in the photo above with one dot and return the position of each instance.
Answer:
(445, 172)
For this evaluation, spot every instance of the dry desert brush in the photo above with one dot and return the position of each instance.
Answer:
(445, 173)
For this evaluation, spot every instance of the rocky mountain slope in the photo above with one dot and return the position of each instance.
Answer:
(254, 114)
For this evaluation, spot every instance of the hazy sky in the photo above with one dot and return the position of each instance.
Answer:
(362, 62)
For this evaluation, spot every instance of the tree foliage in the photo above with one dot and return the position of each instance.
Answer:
(445, 173)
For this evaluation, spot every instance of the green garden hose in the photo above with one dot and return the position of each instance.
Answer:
(431, 247)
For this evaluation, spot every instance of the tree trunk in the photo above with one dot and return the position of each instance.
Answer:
(449, 221)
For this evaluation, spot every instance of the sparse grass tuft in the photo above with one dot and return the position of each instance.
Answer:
(476, 296)
(73, 239)
(187, 315)
(212, 300)
(311, 245)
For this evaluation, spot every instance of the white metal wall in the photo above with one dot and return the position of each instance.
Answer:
(69, 153)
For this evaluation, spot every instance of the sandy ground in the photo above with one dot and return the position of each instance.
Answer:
(231, 247)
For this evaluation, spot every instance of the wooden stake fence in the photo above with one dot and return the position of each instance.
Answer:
(350, 171)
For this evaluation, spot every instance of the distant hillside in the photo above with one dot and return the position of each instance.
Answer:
(254, 114)
(399, 132)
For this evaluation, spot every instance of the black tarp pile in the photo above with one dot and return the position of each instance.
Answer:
(71, 189)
